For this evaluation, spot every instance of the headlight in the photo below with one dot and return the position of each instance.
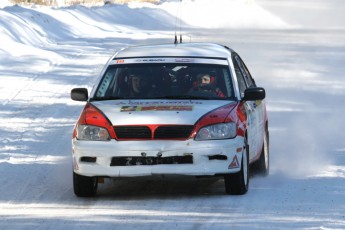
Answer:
(92, 133)
(217, 132)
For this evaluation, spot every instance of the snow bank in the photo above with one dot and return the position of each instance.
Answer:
(236, 14)
(4, 3)
(25, 30)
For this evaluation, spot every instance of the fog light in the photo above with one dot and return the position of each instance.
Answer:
(88, 159)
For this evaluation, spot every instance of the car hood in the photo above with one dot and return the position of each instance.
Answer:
(141, 112)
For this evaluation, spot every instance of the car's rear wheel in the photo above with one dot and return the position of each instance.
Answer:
(238, 183)
(262, 166)
(84, 186)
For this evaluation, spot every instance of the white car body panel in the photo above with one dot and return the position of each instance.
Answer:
(201, 150)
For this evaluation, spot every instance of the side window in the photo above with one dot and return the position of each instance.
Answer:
(249, 78)
(240, 78)
(250, 81)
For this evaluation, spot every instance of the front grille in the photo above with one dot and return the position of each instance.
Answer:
(174, 131)
(135, 132)
(132, 161)
(162, 132)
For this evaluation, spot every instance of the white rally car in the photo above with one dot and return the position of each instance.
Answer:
(175, 109)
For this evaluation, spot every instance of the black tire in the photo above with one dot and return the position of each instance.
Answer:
(238, 183)
(84, 186)
(262, 166)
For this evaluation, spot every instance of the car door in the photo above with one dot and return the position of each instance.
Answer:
(260, 110)
(251, 107)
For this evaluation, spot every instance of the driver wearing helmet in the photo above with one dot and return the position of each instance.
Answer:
(206, 83)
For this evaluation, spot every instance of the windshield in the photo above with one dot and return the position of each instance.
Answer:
(169, 81)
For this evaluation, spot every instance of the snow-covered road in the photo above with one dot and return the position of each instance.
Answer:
(301, 69)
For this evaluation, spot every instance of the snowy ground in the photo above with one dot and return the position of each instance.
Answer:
(44, 52)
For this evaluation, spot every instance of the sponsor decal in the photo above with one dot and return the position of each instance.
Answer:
(159, 103)
(169, 60)
(258, 102)
(146, 60)
(155, 108)
(234, 163)
(184, 60)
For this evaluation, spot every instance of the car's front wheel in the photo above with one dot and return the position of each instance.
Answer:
(262, 166)
(84, 186)
(238, 183)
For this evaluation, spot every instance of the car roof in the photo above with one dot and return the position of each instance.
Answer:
(202, 50)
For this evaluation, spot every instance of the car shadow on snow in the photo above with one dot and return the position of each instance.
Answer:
(160, 186)
(164, 186)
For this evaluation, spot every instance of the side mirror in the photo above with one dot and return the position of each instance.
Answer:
(79, 94)
(253, 94)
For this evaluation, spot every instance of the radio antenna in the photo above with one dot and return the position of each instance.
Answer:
(178, 16)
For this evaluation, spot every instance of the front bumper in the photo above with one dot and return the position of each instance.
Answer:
(157, 157)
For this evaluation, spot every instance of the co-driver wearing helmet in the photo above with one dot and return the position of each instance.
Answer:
(206, 83)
